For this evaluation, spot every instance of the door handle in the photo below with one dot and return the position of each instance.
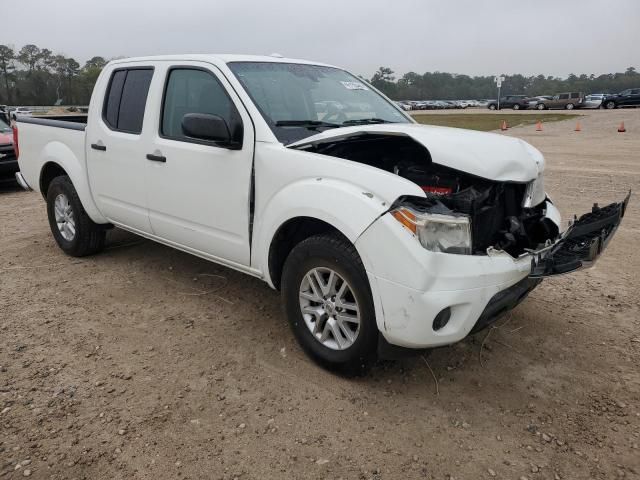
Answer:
(156, 158)
(102, 148)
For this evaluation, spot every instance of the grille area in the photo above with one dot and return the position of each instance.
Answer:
(7, 153)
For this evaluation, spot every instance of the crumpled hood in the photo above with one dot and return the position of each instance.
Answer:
(487, 155)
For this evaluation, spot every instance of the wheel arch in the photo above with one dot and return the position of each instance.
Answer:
(290, 234)
(58, 159)
(48, 172)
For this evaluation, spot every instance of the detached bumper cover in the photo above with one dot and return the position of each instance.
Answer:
(582, 243)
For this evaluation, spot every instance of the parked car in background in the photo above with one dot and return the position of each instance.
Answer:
(567, 100)
(8, 160)
(626, 98)
(516, 102)
(200, 153)
(20, 112)
(593, 101)
(404, 106)
(4, 114)
(533, 101)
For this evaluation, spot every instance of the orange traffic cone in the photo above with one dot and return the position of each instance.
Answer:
(621, 128)
(504, 125)
(578, 127)
(539, 126)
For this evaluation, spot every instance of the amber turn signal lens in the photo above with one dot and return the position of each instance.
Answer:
(407, 218)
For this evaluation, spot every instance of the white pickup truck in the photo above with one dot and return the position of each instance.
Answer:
(381, 234)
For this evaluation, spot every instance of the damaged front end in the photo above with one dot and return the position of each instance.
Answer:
(463, 213)
(498, 219)
(497, 227)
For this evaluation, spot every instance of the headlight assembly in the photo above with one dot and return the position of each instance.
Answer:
(436, 232)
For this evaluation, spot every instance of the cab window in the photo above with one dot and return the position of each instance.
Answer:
(126, 98)
(192, 90)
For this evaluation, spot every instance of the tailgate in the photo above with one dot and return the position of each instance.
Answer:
(582, 243)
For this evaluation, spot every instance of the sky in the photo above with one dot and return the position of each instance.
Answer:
(474, 37)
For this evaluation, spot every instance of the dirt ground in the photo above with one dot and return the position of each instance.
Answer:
(144, 362)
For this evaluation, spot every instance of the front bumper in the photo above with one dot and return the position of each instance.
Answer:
(410, 288)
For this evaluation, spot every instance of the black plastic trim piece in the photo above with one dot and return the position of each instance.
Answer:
(53, 123)
(504, 301)
(102, 148)
(156, 158)
(582, 244)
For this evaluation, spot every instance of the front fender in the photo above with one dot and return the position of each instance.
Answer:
(347, 207)
(60, 154)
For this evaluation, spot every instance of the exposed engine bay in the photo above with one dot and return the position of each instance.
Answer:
(496, 209)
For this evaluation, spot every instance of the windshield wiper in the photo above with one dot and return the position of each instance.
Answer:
(365, 121)
(310, 124)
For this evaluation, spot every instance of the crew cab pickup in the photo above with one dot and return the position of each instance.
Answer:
(381, 234)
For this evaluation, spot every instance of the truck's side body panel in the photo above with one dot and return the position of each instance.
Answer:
(64, 147)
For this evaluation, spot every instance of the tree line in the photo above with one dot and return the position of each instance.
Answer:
(37, 76)
(450, 86)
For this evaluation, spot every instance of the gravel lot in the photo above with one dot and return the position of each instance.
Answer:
(144, 362)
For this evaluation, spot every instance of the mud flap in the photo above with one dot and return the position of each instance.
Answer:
(581, 244)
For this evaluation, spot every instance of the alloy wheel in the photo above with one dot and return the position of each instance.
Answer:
(65, 219)
(329, 308)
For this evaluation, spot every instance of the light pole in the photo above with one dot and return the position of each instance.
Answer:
(498, 79)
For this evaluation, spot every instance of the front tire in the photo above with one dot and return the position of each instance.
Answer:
(328, 302)
(75, 233)
(492, 107)
(610, 105)
(541, 106)
(569, 106)
(516, 107)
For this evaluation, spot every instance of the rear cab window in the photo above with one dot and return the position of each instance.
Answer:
(126, 99)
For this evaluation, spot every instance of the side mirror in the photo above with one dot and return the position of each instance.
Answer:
(212, 128)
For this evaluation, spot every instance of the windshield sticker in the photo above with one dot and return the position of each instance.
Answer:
(354, 86)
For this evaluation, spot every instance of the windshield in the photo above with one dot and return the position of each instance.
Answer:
(4, 127)
(299, 100)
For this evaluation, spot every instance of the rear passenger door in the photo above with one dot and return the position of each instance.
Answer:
(199, 191)
(115, 148)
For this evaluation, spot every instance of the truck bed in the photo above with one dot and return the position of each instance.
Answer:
(59, 139)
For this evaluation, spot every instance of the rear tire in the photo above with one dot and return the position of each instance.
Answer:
(492, 107)
(75, 233)
(324, 320)
(541, 106)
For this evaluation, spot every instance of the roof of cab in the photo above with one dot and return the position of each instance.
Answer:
(222, 57)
